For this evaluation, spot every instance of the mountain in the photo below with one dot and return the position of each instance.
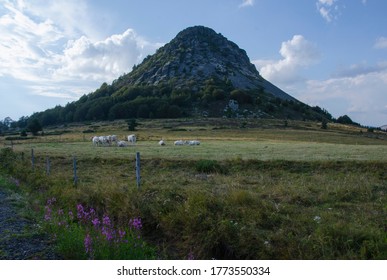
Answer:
(196, 54)
(198, 73)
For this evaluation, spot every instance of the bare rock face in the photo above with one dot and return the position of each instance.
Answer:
(196, 55)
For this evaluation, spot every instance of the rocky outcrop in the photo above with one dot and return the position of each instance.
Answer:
(196, 55)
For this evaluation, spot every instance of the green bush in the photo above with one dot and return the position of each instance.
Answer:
(209, 166)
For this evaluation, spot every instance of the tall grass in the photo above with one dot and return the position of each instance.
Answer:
(242, 194)
(255, 210)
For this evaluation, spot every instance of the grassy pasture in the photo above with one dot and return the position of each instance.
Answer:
(263, 191)
(220, 140)
(217, 149)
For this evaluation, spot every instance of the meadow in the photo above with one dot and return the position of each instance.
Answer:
(253, 189)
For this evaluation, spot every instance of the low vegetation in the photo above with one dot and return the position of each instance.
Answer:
(264, 191)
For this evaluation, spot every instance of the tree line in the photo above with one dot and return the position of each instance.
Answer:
(120, 101)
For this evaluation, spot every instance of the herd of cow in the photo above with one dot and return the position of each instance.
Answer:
(132, 139)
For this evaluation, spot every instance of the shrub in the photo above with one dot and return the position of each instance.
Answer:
(209, 166)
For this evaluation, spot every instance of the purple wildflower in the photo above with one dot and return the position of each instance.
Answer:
(121, 233)
(80, 211)
(135, 223)
(92, 212)
(51, 201)
(71, 215)
(47, 215)
(60, 212)
(96, 222)
(109, 233)
(88, 244)
(106, 220)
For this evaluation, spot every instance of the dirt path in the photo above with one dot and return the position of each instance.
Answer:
(20, 236)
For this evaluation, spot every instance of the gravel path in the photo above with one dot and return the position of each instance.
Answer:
(20, 238)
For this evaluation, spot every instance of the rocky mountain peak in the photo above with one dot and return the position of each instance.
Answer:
(196, 55)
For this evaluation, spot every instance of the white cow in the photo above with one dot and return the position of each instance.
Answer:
(179, 143)
(161, 143)
(193, 142)
(122, 144)
(132, 139)
(103, 140)
(95, 140)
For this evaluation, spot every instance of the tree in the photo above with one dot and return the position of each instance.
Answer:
(34, 126)
(344, 120)
(132, 124)
(324, 124)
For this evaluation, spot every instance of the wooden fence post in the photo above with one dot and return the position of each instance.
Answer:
(138, 169)
(48, 165)
(75, 170)
(32, 159)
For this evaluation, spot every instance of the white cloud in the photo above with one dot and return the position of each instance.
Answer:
(357, 90)
(328, 9)
(381, 43)
(247, 3)
(102, 60)
(361, 69)
(297, 54)
(48, 55)
(362, 96)
(71, 16)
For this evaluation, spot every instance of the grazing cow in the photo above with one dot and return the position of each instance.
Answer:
(179, 143)
(161, 143)
(193, 142)
(103, 140)
(95, 140)
(132, 139)
(122, 144)
(113, 138)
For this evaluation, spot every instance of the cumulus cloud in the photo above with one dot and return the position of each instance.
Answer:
(49, 55)
(102, 60)
(357, 90)
(363, 96)
(297, 54)
(381, 43)
(328, 9)
(247, 3)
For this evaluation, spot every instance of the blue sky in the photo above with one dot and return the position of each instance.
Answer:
(330, 53)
